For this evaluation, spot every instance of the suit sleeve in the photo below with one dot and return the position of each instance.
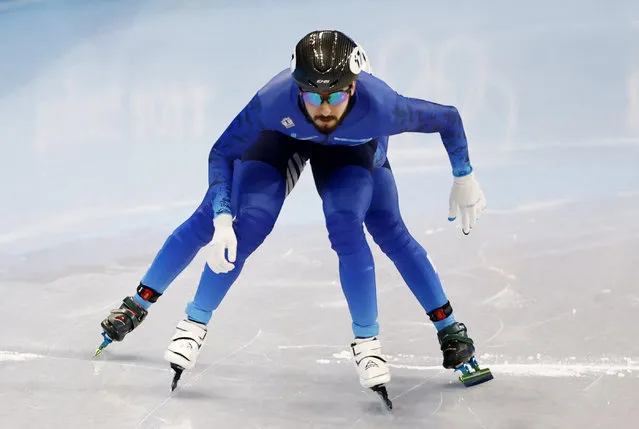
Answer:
(421, 116)
(238, 137)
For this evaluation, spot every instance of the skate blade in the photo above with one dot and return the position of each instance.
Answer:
(102, 346)
(381, 390)
(476, 377)
(472, 374)
(176, 377)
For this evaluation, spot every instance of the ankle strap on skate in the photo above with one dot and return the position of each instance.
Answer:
(148, 294)
(132, 310)
(440, 313)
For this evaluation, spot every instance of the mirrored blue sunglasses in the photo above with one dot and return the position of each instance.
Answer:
(333, 98)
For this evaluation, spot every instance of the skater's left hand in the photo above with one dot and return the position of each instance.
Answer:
(467, 198)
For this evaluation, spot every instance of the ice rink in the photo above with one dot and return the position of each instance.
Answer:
(108, 110)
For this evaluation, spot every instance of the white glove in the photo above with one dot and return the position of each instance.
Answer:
(467, 197)
(223, 239)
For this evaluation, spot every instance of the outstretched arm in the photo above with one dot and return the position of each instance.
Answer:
(421, 116)
(416, 115)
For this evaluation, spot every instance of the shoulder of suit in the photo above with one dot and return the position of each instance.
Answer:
(380, 96)
(276, 90)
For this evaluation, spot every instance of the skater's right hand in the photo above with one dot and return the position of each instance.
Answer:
(224, 239)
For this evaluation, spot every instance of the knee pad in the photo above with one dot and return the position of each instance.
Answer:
(346, 198)
(198, 228)
(252, 226)
(345, 231)
(388, 231)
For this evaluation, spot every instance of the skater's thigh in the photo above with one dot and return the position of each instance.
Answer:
(385, 197)
(283, 153)
(277, 150)
(326, 161)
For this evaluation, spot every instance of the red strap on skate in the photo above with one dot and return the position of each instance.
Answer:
(148, 294)
(441, 313)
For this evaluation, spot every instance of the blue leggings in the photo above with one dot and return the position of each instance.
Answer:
(352, 196)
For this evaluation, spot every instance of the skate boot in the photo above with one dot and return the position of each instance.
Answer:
(459, 354)
(184, 347)
(371, 367)
(456, 345)
(121, 321)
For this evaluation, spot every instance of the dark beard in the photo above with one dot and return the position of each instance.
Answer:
(323, 126)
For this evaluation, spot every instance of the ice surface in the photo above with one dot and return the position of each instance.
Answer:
(107, 113)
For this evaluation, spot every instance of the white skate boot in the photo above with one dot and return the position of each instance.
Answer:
(185, 347)
(371, 367)
(185, 344)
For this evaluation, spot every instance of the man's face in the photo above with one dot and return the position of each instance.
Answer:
(327, 109)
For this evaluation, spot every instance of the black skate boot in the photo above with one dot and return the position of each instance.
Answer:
(121, 321)
(456, 345)
(459, 354)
